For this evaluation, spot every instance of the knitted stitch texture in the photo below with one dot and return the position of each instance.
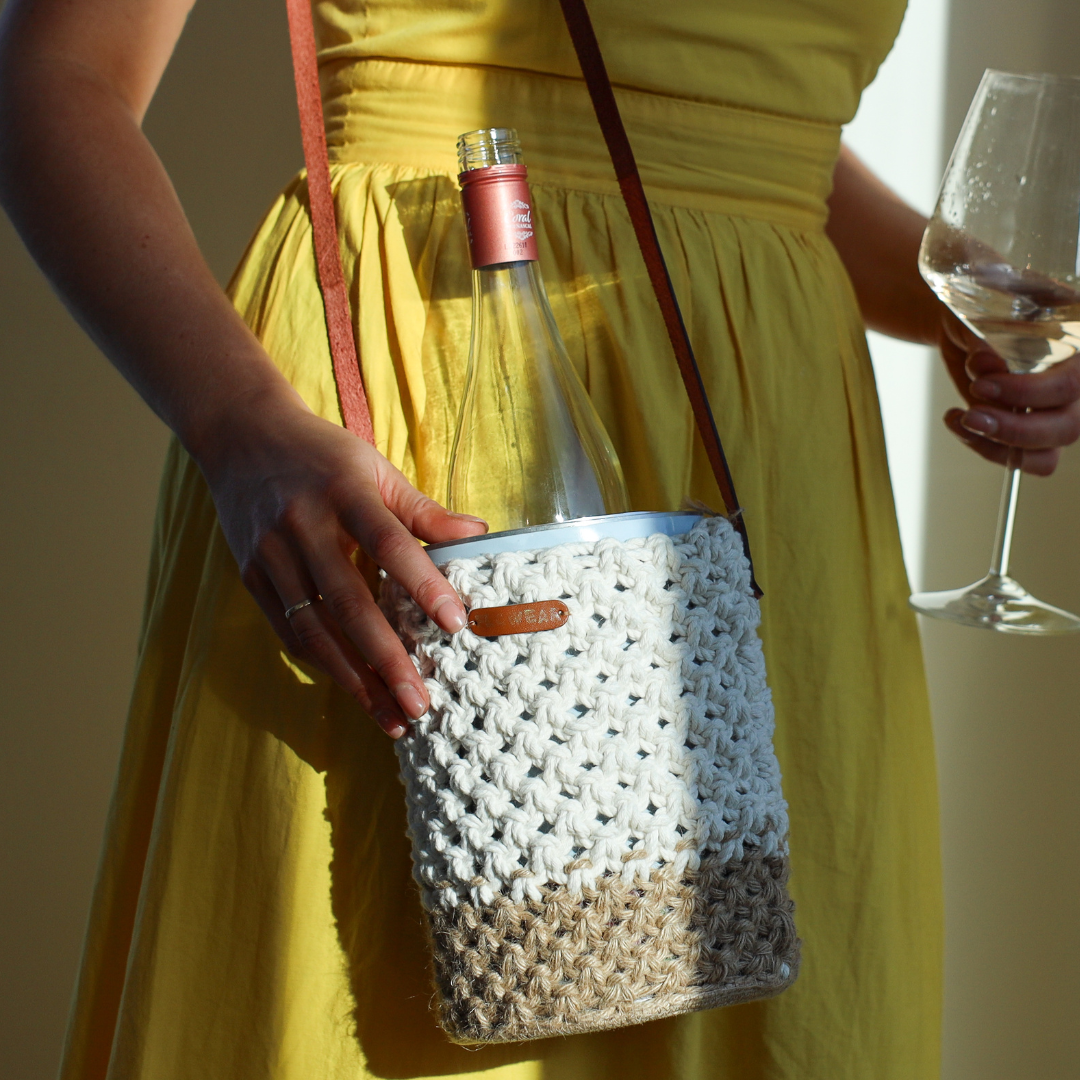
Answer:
(598, 829)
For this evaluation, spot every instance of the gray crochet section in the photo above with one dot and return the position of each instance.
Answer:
(634, 739)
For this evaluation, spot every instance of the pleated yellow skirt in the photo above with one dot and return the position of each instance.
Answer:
(255, 916)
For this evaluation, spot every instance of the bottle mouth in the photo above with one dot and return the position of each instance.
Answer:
(488, 146)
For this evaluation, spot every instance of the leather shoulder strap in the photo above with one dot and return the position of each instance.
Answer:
(339, 327)
(626, 171)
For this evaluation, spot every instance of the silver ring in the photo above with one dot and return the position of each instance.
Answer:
(290, 612)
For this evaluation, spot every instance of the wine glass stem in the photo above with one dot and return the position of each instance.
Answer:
(1010, 493)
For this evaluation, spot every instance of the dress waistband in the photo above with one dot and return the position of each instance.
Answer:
(693, 154)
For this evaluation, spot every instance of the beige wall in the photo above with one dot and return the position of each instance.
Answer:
(1007, 710)
(79, 462)
(80, 457)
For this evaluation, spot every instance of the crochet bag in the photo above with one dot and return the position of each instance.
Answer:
(597, 823)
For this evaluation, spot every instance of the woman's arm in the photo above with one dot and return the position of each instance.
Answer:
(877, 235)
(295, 494)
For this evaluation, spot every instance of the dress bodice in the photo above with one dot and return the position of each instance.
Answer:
(805, 58)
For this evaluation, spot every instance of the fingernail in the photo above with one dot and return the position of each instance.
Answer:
(408, 697)
(983, 423)
(390, 723)
(451, 620)
(984, 388)
(954, 422)
(470, 518)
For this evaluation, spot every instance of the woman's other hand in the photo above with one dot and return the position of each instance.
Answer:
(298, 499)
(1038, 413)
(877, 236)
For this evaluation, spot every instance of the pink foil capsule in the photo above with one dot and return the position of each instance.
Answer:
(498, 215)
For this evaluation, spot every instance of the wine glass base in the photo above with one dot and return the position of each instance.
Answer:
(996, 603)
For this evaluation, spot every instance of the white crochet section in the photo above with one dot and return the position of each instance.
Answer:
(636, 736)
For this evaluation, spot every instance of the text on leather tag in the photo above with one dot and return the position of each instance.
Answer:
(518, 618)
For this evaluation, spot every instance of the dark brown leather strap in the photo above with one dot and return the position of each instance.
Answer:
(339, 327)
(626, 171)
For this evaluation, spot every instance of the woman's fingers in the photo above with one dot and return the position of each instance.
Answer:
(386, 525)
(297, 498)
(393, 547)
(423, 517)
(266, 596)
(1039, 413)
(347, 600)
(1056, 388)
(1041, 429)
(322, 638)
(1039, 462)
(321, 641)
(429, 521)
(980, 360)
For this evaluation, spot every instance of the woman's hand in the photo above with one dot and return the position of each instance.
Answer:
(297, 497)
(1038, 413)
(877, 235)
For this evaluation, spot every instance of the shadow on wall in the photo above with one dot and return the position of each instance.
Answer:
(1006, 708)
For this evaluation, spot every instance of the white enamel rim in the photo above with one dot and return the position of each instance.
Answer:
(610, 526)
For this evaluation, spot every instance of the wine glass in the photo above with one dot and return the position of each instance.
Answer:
(1002, 250)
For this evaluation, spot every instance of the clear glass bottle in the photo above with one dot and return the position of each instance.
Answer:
(530, 448)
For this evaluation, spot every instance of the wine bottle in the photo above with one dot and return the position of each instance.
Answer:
(529, 448)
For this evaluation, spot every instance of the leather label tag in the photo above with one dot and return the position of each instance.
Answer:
(518, 618)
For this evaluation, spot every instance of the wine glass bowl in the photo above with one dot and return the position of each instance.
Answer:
(1031, 319)
(1002, 251)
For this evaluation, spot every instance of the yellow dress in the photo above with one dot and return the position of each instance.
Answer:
(254, 917)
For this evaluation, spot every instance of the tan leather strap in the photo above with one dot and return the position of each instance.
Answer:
(626, 171)
(339, 327)
(347, 374)
(518, 618)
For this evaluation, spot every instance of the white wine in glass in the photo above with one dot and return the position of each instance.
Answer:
(1002, 250)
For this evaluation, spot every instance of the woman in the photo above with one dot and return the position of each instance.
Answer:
(254, 916)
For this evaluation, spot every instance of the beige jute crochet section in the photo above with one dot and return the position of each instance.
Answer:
(598, 829)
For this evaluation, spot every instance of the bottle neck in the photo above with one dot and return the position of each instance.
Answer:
(498, 215)
(521, 275)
